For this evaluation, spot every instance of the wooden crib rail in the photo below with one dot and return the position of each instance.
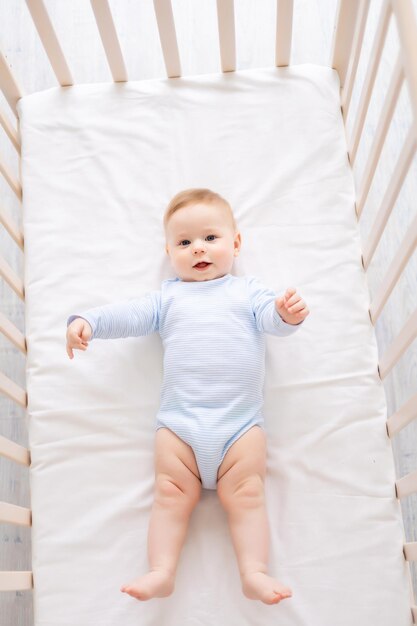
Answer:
(405, 250)
(387, 112)
(403, 416)
(50, 41)
(12, 390)
(11, 581)
(407, 30)
(13, 514)
(10, 131)
(400, 344)
(370, 77)
(410, 551)
(227, 34)
(11, 278)
(345, 58)
(14, 231)
(349, 82)
(397, 178)
(13, 183)
(167, 35)
(8, 84)
(343, 36)
(9, 330)
(283, 39)
(110, 40)
(406, 485)
(13, 451)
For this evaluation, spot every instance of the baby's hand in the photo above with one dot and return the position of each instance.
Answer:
(291, 307)
(78, 334)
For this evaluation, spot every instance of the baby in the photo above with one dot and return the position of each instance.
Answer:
(209, 427)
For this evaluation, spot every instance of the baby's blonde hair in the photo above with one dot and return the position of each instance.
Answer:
(193, 196)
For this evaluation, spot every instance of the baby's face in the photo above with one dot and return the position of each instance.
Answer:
(201, 233)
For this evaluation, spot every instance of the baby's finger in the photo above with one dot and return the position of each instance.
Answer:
(70, 352)
(290, 292)
(296, 308)
(293, 300)
(279, 302)
(76, 344)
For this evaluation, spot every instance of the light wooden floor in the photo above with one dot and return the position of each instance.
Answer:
(197, 36)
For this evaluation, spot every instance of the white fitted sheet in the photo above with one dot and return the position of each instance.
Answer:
(99, 164)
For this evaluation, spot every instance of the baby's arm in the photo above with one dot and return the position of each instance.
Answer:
(132, 318)
(268, 320)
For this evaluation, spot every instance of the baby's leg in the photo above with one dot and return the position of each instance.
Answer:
(177, 491)
(241, 491)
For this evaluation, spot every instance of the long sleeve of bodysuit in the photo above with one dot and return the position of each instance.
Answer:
(128, 318)
(267, 318)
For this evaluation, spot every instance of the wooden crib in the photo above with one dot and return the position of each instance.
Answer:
(348, 38)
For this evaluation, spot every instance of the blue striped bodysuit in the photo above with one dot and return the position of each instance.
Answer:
(214, 356)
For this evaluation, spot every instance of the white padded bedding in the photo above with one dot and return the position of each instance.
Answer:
(99, 164)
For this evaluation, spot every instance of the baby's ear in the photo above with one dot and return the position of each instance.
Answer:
(237, 242)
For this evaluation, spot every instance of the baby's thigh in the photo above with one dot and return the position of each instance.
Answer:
(175, 461)
(246, 458)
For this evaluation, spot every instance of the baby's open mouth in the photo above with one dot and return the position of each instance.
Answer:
(202, 265)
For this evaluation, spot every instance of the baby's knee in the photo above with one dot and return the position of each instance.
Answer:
(248, 492)
(170, 491)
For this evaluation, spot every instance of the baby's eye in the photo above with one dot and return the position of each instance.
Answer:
(185, 242)
(213, 237)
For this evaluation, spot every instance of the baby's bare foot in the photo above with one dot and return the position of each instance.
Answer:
(260, 586)
(155, 584)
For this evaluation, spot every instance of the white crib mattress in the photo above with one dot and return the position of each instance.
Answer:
(99, 164)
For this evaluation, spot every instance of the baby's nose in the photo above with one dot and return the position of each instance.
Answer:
(198, 247)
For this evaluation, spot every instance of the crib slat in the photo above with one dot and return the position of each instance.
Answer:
(13, 451)
(12, 333)
(346, 92)
(10, 88)
(405, 250)
(403, 416)
(407, 35)
(384, 122)
(13, 230)
(108, 34)
(227, 37)
(50, 41)
(393, 189)
(168, 37)
(11, 278)
(12, 390)
(13, 514)
(347, 12)
(410, 551)
(11, 180)
(12, 581)
(10, 131)
(398, 346)
(375, 57)
(406, 485)
(285, 9)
